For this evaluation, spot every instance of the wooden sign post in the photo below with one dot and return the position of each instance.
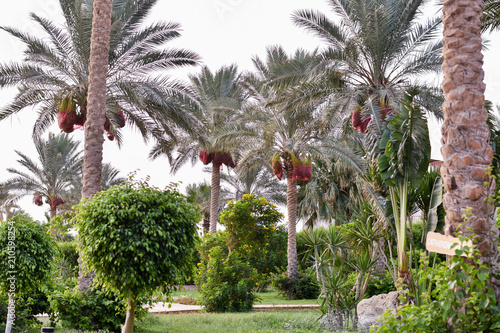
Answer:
(442, 244)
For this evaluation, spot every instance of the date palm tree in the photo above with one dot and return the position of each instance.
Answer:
(137, 90)
(96, 97)
(261, 182)
(381, 48)
(466, 151)
(219, 99)
(51, 178)
(268, 131)
(58, 64)
(199, 194)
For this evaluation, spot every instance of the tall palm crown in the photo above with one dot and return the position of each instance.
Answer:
(381, 47)
(260, 182)
(219, 99)
(58, 65)
(51, 179)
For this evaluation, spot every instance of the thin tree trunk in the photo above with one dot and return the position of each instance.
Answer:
(53, 213)
(465, 142)
(96, 106)
(129, 319)
(10, 313)
(206, 222)
(291, 204)
(214, 200)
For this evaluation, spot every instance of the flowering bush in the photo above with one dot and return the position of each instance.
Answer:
(301, 287)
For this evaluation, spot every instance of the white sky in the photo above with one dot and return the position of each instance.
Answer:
(221, 31)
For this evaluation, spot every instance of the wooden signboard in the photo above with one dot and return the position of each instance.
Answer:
(442, 244)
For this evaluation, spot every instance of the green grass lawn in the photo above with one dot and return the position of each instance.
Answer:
(269, 297)
(290, 321)
(249, 322)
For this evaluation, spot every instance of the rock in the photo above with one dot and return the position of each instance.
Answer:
(369, 310)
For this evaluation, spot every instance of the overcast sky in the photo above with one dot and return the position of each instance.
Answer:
(221, 31)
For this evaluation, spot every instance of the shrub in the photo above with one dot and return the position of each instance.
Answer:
(302, 287)
(26, 252)
(137, 238)
(462, 298)
(27, 306)
(91, 311)
(67, 260)
(252, 230)
(380, 285)
(226, 283)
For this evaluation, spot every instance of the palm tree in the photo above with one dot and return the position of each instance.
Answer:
(200, 194)
(219, 99)
(405, 155)
(55, 73)
(50, 180)
(466, 150)
(268, 132)
(332, 194)
(57, 66)
(380, 47)
(260, 182)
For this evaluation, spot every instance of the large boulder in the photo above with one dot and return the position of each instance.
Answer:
(370, 309)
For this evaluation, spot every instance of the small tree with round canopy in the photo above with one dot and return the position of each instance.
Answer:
(26, 251)
(137, 238)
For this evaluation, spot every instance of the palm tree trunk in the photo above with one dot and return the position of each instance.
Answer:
(96, 99)
(206, 222)
(214, 200)
(96, 106)
(466, 150)
(53, 213)
(291, 204)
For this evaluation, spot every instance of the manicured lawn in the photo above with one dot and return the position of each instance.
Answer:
(249, 322)
(269, 297)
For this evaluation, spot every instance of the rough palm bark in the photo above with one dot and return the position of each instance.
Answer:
(96, 100)
(291, 204)
(465, 142)
(214, 199)
(206, 222)
(96, 108)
